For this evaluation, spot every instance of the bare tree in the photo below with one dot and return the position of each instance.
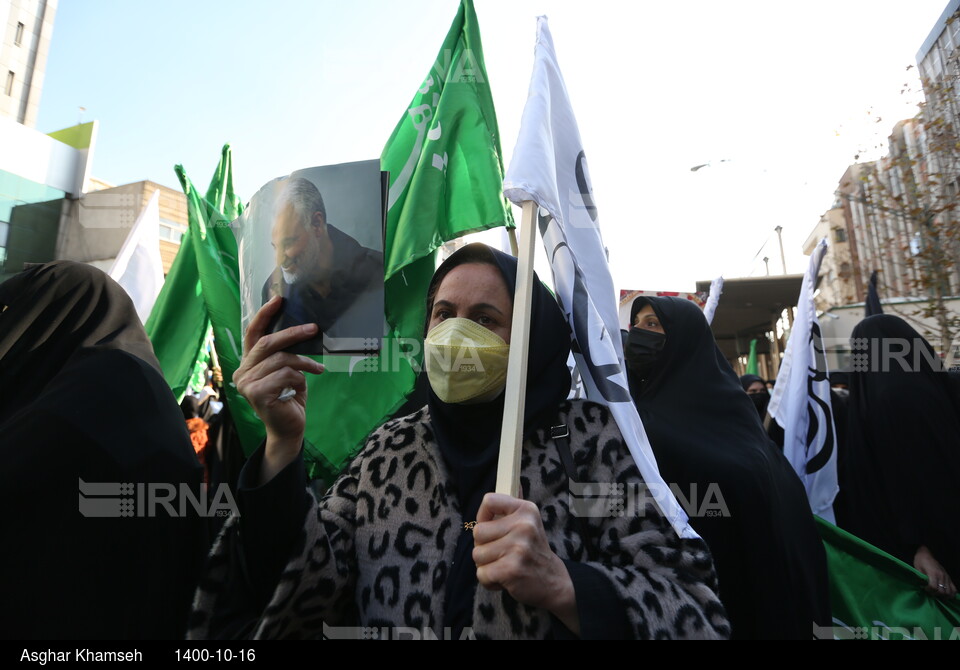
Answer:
(907, 203)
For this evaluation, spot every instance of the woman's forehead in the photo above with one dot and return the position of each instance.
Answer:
(476, 282)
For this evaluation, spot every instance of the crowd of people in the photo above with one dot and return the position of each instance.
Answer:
(412, 534)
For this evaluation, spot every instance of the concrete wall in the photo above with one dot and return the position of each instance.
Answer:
(99, 222)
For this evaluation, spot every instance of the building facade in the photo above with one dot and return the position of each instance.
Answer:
(836, 284)
(96, 225)
(26, 27)
(52, 208)
(38, 174)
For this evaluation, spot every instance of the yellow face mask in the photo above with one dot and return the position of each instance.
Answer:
(466, 363)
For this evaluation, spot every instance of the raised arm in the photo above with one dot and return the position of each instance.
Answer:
(265, 372)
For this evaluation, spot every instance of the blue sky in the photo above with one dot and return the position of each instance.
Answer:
(782, 90)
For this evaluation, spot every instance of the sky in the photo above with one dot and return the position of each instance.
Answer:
(777, 97)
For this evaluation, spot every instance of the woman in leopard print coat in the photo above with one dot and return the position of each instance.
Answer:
(405, 544)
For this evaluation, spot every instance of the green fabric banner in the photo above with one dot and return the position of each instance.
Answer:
(178, 322)
(216, 263)
(446, 179)
(446, 170)
(752, 367)
(876, 596)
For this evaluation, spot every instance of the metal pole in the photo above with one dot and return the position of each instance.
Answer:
(783, 258)
(766, 261)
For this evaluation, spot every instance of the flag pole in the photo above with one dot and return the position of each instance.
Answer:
(511, 435)
(512, 236)
(216, 361)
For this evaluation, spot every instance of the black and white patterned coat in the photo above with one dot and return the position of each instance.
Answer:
(375, 550)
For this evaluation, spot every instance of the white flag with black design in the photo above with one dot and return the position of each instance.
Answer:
(549, 168)
(801, 400)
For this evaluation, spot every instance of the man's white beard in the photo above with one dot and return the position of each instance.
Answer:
(306, 264)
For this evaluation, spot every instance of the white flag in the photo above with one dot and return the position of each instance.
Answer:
(801, 400)
(548, 167)
(138, 267)
(716, 288)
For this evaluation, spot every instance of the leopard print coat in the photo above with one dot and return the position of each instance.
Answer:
(375, 550)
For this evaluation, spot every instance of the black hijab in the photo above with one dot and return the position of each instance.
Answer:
(56, 313)
(705, 430)
(82, 398)
(747, 380)
(903, 463)
(468, 436)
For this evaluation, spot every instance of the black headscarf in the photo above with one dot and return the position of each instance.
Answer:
(468, 436)
(903, 463)
(82, 398)
(59, 312)
(760, 399)
(704, 430)
(190, 406)
(747, 380)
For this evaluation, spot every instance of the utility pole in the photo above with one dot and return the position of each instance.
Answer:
(783, 258)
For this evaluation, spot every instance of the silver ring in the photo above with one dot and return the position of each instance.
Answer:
(941, 586)
(286, 394)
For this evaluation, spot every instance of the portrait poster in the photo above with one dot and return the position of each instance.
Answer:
(315, 238)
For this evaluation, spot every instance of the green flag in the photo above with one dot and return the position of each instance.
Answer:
(446, 171)
(217, 265)
(752, 367)
(446, 180)
(876, 596)
(178, 322)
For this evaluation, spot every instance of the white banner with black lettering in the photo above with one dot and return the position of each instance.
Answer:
(801, 400)
(549, 167)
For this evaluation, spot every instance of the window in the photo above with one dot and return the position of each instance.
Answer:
(916, 244)
(8, 88)
(18, 37)
(839, 235)
(172, 231)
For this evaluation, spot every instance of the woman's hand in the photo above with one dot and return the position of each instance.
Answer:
(512, 553)
(940, 583)
(265, 371)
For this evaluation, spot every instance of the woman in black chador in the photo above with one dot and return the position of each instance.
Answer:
(706, 432)
(82, 399)
(903, 463)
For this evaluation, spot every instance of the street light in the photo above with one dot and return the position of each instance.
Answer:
(783, 258)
